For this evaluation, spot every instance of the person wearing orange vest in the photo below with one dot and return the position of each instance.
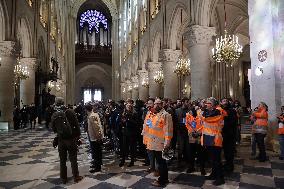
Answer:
(194, 126)
(158, 138)
(148, 116)
(281, 133)
(260, 129)
(213, 122)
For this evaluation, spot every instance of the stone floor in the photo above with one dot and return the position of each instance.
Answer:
(28, 160)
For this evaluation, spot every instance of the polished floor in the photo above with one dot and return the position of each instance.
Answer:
(28, 160)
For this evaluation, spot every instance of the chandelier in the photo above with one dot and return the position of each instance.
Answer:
(135, 86)
(129, 88)
(182, 67)
(145, 82)
(227, 47)
(21, 72)
(159, 77)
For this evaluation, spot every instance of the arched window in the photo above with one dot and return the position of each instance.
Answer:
(30, 2)
(143, 16)
(94, 20)
(43, 12)
(53, 29)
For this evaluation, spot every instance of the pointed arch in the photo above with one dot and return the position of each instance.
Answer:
(178, 18)
(4, 22)
(24, 36)
(156, 46)
(41, 54)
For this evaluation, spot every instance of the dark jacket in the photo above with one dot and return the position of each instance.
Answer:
(230, 122)
(129, 123)
(73, 121)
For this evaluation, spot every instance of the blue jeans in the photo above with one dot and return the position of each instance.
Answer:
(281, 142)
(152, 159)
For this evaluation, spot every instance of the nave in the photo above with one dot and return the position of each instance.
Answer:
(28, 160)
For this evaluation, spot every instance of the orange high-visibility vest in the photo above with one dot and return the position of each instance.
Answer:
(212, 129)
(281, 125)
(261, 122)
(145, 130)
(189, 119)
(159, 131)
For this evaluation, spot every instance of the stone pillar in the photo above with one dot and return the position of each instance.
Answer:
(115, 60)
(154, 88)
(266, 53)
(135, 94)
(143, 91)
(199, 38)
(7, 81)
(170, 58)
(128, 89)
(27, 87)
(70, 60)
(123, 90)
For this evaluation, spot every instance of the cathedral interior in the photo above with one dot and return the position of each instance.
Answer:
(96, 50)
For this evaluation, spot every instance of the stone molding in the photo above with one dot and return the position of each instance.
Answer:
(142, 74)
(7, 48)
(29, 62)
(134, 79)
(170, 55)
(154, 66)
(199, 34)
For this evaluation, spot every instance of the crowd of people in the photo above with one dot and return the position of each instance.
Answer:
(160, 131)
(22, 117)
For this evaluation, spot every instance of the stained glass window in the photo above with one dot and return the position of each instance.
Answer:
(94, 19)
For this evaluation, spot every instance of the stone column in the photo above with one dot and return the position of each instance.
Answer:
(128, 89)
(135, 94)
(115, 60)
(143, 91)
(199, 38)
(266, 44)
(123, 90)
(27, 88)
(70, 60)
(170, 58)
(154, 88)
(7, 81)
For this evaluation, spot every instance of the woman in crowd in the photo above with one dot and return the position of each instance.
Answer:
(260, 128)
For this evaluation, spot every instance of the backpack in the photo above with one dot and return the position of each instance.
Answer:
(62, 125)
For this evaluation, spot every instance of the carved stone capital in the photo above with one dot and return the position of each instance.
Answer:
(142, 74)
(29, 62)
(134, 79)
(199, 34)
(128, 83)
(169, 55)
(7, 48)
(154, 66)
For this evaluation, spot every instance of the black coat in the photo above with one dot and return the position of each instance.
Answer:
(230, 122)
(129, 123)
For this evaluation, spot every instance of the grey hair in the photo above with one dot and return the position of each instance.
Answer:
(213, 101)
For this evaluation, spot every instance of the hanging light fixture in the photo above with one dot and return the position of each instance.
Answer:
(227, 47)
(21, 72)
(159, 77)
(182, 67)
(145, 82)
